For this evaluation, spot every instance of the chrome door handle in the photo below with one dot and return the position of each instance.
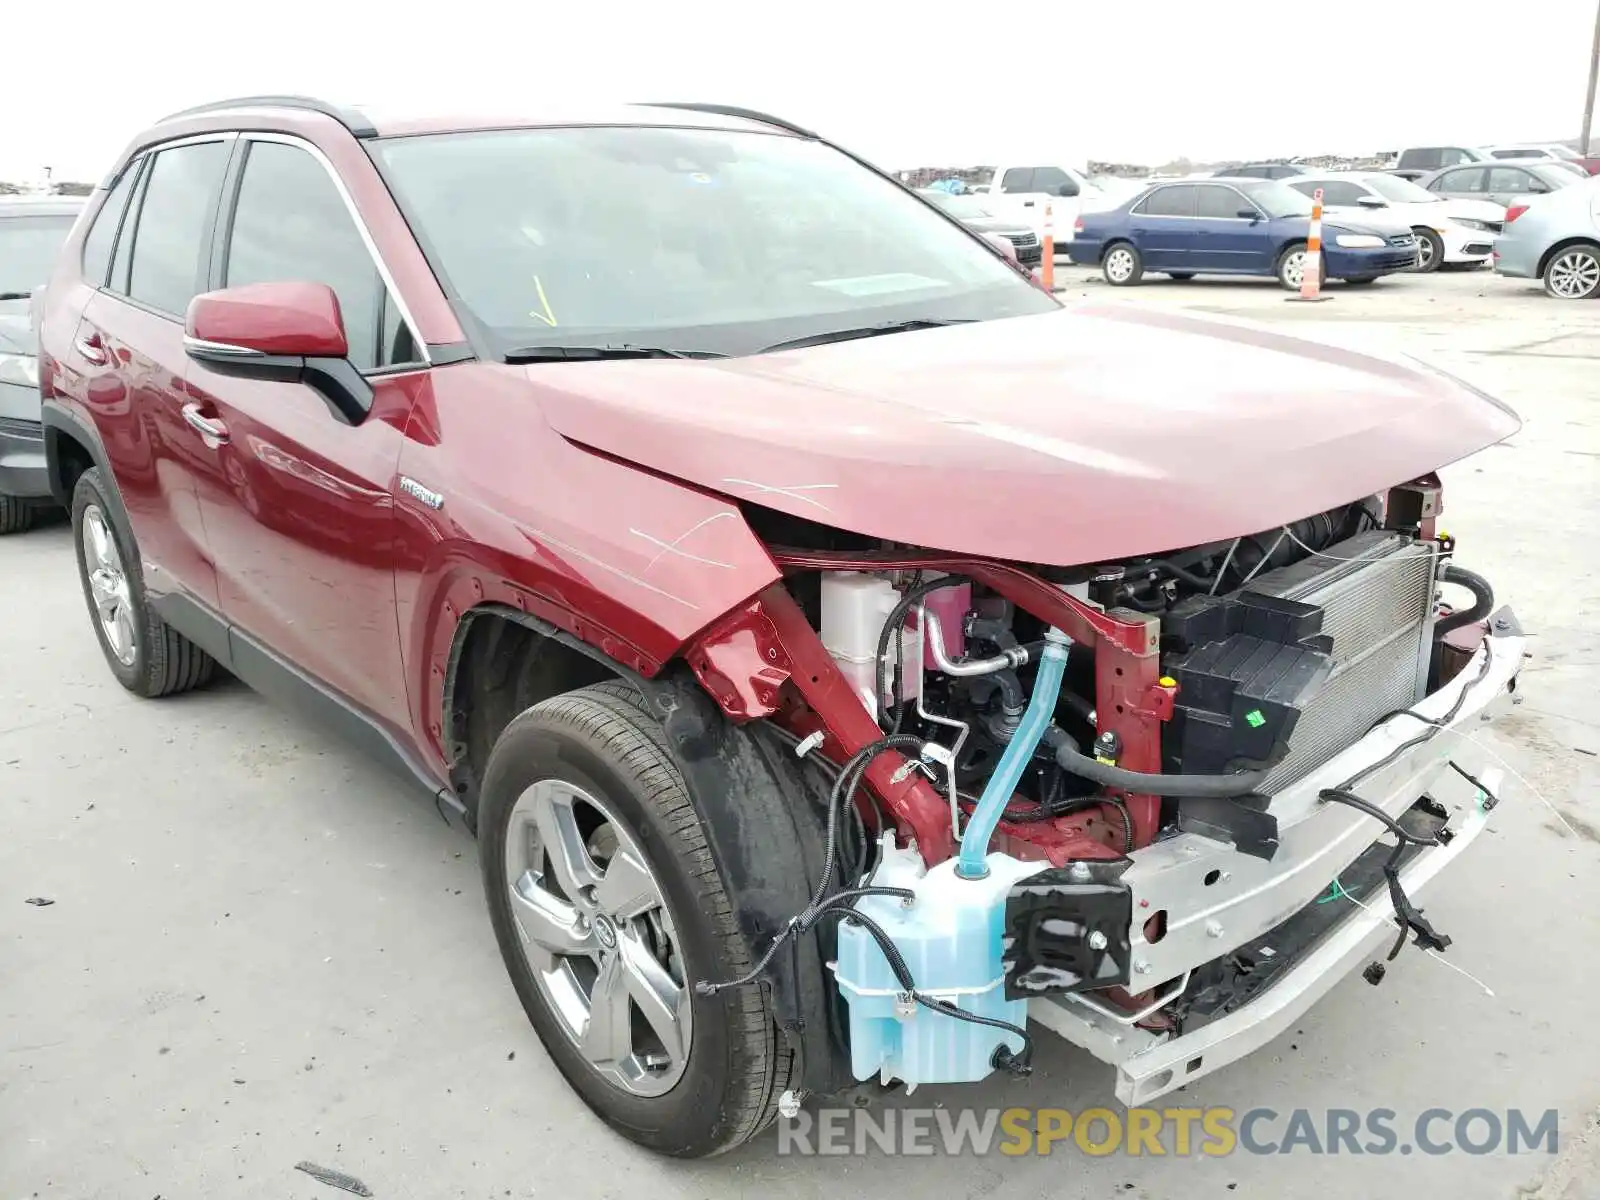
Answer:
(90, 347)
(215, 433)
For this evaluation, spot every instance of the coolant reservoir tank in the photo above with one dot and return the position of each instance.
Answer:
(950, 937)
(855, 608)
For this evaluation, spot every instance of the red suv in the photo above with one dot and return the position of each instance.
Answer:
(844, 654)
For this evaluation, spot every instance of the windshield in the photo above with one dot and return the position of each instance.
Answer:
(1274, 198)
(964, 208)
(28, 249)
(1400, 191)
(691, 240)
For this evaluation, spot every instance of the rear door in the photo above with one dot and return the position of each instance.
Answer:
(1164, 228)
(129, 348)
(1059, 192)
(1224, 240)
(299, 503)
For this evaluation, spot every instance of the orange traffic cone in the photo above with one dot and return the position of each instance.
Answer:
(1311, 273)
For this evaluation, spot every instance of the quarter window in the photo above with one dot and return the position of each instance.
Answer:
(179, 199)
(1509, 179)
(290, 225)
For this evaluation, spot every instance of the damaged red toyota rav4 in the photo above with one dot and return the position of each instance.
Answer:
(854, 665)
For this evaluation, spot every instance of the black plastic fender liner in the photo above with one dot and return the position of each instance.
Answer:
(766, 824)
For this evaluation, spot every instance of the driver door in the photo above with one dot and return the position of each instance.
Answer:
(298, 500)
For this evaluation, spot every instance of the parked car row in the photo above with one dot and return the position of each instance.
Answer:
(1374, 224)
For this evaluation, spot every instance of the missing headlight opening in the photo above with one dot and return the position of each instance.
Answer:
(1109, 796)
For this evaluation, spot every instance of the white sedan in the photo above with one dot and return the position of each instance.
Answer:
(1458, 232)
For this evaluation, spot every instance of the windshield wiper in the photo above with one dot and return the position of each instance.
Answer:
(864, 331)
(15, 295)
(531, 354)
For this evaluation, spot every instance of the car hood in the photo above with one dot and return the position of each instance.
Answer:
(1068, 437)
(1361, 222)
(1475, 210)
(1000, 225)
(16, 333)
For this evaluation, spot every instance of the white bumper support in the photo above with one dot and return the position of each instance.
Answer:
(1217, 900)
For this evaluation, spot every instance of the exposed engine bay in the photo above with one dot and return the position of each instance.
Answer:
(1192, 689)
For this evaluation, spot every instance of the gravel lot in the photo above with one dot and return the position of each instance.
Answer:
(262, 952)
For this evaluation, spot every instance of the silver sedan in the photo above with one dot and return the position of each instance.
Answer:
(1555, 238)
(1505, 183)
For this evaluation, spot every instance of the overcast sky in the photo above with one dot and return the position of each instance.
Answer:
(936, 83)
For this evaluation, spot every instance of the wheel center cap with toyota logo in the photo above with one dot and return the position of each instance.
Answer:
(606, 932)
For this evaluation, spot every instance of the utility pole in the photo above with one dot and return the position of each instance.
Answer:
(1594, 76)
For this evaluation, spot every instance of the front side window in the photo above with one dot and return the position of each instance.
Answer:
(1219, 202)
(1178, 201)
(103, 233)
(1053, 181)
(1277, 199)
(1470, 180)
(174, 217)
(698, 240)
(29, 246)
(290, 224)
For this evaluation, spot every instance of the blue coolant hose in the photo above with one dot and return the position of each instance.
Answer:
(1003, 783)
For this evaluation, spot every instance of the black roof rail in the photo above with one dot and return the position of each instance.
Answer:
(351, 119)
(744, 114)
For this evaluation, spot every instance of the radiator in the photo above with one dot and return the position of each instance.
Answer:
(1376, 593)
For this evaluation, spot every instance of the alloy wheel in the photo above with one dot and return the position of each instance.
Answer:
(1574, 274)
(1424, 253)
(598, 937)
(1119, 265)
(108, 585)
(1294, 268)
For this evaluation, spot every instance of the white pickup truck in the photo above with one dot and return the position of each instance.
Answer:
(1021, 193)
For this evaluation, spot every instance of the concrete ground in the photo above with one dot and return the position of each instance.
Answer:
(260, 952)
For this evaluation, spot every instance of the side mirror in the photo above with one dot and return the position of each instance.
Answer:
(1002, 244)
(1249, 214)
(1371, 201)
(285, 332)
(1538, 189)
(1067, 189)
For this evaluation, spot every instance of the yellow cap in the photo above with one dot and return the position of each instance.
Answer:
(1167, 681)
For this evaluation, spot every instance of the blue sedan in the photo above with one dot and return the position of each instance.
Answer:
(1234, 227)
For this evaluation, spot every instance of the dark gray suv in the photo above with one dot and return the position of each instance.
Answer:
(32, 230)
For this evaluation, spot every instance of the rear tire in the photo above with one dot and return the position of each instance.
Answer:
(600, 754)
(16, 514)
(147, 655)
(1573, 272)
(1122, 265)
(1361, 280)
(1430, 251)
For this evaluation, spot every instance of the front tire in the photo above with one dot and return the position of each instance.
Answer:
(1123, 266)
(147, 655)
(1291, 265)
(16, 514)
(608, 905)
(1573, 273)
(1430, 251)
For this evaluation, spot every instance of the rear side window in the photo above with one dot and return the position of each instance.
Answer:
(1428, 159)
(1017, 179)
(179, 200)
(1509, 179)
(290, 224)
(103, 233)
(1170, 202)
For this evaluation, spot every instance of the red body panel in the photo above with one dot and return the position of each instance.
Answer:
(632, 564)
(603, 497)
(1071, 437)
